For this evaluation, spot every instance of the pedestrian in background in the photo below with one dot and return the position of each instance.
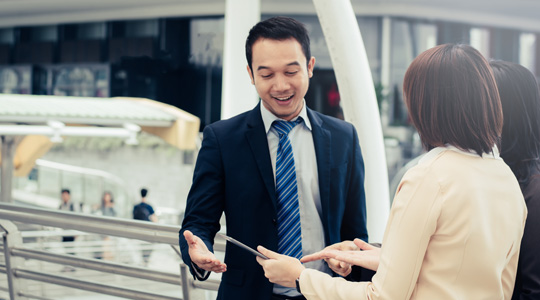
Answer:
(67, 205)
(107, 205)
(144, 212)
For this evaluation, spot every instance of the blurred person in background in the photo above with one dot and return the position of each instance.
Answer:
(144, 212)
(106, 209)
(455, 226)
(107, 205)
(520, 149)
(67, 205)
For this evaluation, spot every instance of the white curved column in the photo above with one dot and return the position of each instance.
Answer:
(359, 102)
(238, 94)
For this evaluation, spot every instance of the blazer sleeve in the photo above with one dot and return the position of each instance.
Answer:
(205, 202)
(528, 279)
(403, 250)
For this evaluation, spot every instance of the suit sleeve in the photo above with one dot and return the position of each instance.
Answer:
(355, 219)
(205, 200)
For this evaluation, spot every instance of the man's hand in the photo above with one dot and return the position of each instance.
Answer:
(280, 269)
(201, 256)
(365, 255)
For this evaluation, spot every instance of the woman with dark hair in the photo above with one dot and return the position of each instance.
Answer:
(520, 149)
(107, 205)
(455, 226)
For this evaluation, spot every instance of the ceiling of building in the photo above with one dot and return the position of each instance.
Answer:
(520, 14)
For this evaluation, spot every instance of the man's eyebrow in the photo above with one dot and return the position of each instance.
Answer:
(294, 63)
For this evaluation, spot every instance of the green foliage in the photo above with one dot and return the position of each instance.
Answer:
(379, 93)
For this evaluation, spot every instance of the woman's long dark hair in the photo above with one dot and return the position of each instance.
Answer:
(520, 98)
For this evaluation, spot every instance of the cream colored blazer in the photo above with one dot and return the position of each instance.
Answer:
(454, 232)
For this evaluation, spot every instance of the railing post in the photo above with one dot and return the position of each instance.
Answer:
(12, 238)
(8, 146)
(186, 283)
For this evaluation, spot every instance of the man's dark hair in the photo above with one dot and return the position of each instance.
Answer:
(65, 191)
(144, 192)
(452, 99)
(278, 28)
(520, 98)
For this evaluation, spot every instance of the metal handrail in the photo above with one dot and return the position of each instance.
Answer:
(208, 284)
(92, 264)
(132, 229)
(30, 296)
(89, 286)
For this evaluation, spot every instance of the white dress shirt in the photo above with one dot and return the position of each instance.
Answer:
(307, 179)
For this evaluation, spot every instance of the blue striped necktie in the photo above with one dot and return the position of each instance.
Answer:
(289, 230)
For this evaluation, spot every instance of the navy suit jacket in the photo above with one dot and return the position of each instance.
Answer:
(234, 175)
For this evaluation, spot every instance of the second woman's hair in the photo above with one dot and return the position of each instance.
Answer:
(520, 98)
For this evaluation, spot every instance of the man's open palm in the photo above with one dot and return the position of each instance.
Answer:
(201, 256)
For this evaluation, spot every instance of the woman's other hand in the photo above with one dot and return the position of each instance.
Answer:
(362, 254)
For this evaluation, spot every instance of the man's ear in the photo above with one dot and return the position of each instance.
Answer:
(310, 66)
(250, 74)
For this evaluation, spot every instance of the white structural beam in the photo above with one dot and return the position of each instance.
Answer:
(359, 102)
(386, 60)
(238, 94)
(55, 130)
(9, 143)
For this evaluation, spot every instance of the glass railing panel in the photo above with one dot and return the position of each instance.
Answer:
(49, 182)
(86, 185)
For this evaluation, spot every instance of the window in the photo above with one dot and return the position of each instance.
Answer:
(527, 51)
(480, 40)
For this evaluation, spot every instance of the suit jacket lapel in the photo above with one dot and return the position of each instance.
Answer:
(322, 139)
(256, 136)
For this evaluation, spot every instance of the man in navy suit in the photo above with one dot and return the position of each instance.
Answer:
(235, 172)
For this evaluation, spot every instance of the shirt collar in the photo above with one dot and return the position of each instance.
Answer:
(269, 118)
(435, 151)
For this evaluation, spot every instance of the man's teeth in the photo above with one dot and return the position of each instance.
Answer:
(283, 99)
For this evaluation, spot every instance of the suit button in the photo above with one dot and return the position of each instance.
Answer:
(274, 221)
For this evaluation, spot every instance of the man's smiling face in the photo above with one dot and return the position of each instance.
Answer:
(281, 75)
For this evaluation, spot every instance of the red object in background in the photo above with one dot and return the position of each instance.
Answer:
(333, 96)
